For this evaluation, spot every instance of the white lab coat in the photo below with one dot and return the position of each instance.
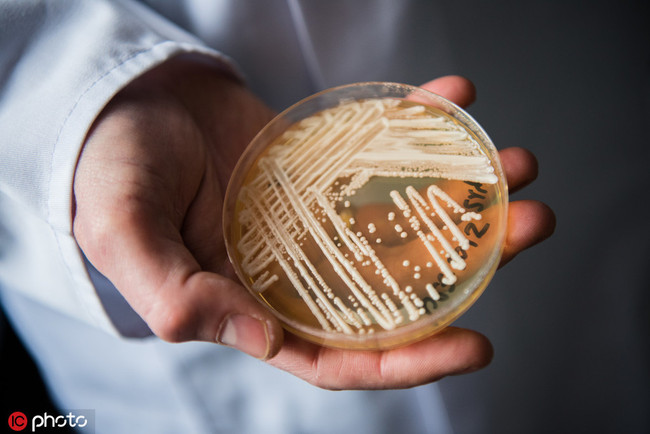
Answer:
(60, 63)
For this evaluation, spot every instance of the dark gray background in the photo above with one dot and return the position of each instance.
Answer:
(569, 319)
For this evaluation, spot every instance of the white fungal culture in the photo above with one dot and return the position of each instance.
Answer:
(371, 223)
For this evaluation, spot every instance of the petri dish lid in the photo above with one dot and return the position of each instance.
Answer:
(367, 216)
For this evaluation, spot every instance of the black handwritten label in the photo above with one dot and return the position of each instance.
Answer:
(478, 233)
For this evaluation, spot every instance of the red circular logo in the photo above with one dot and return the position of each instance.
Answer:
(17, 421)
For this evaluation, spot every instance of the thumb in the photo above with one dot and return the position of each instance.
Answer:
(146, 259)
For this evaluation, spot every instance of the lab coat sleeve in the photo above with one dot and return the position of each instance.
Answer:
(61, 61)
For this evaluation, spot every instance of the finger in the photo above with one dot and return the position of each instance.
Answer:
(520, 167)
(529, 222)
(202, 229)
(455, 88)
(163, 282)
(453, 351)
(127, 232)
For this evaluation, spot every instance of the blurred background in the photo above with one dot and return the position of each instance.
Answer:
(569, 319)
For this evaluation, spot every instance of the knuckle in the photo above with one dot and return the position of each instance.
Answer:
(173, 324)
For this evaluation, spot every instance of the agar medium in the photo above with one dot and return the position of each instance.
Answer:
(367, 216)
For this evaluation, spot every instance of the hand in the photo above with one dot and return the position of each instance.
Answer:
(149, 189)
(454, 350)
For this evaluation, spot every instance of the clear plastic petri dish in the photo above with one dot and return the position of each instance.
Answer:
(367, 216)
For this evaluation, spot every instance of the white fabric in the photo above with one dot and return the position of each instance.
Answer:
(60, 63)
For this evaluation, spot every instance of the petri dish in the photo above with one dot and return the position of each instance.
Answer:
(367, 216)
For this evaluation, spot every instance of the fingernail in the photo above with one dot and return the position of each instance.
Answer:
(246, 334)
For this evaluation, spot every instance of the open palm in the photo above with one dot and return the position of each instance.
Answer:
(149, 192)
